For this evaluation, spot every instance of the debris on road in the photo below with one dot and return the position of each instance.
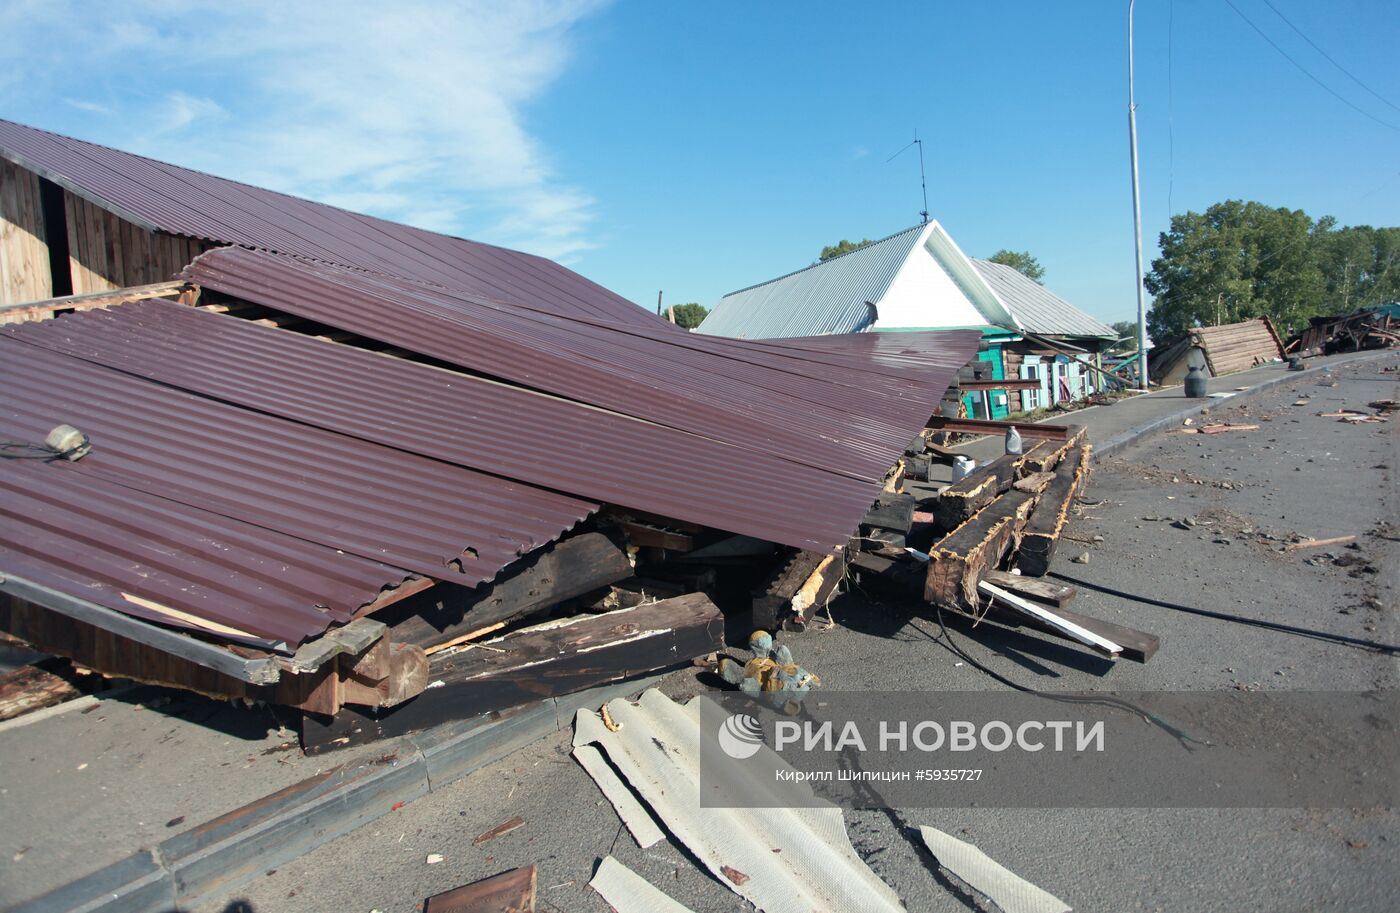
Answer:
(792, 859)
(627, 892)
(1319, 543)
(1000, 885)
(499, 830)
(509, 892)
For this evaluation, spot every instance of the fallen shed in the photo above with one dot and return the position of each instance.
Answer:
(1224, 349)
(334, 454)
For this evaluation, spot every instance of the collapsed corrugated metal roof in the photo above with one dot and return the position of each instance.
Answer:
(768, 400)
(385, 505)
(502, 429)
(1038, 309)
(167, 562)
(164, 197)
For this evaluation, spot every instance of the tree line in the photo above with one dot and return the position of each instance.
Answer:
(1240, 260)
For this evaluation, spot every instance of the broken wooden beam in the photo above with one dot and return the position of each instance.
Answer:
(570, 568)
(775, 595)
(957, 562)
(1047, 522)
(1055, 594)
(957, 503)
(547, 660)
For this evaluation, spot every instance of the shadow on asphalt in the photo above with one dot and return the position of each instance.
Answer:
(249, 724)
(877, 617)
(1360, 642)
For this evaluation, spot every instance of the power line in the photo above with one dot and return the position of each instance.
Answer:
(1329, 56)
(1306, 72)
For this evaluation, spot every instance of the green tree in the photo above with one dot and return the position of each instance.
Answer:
(1021, 261)
(1360, 265)
(689, 315)
(1236, 261)
(840, 247)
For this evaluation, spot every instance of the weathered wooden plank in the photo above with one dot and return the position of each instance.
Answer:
(1047, 459)
(32, 688)
(567, 569)
(1045, 525)
(1055, 594)
(957, 503)
(956, 563)
(25, 274)
(508, 892)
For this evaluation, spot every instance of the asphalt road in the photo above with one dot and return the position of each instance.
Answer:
(1298, 474)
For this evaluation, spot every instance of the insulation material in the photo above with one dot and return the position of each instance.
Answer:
(781, 859)
(1006, 889)
(634, 815)
(627, 892)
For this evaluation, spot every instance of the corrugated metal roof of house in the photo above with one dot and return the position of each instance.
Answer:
(1035, 307)
(826, 297)
(180, 201)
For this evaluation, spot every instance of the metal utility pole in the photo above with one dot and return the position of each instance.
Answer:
(1137, 212)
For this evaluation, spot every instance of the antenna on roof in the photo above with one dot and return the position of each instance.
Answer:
(923, 182)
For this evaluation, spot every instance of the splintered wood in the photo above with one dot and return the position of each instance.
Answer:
(1047, 524)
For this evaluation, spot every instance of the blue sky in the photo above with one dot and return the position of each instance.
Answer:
(700, 148)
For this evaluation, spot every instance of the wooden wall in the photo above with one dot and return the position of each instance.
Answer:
(24, 254)
(105, 252)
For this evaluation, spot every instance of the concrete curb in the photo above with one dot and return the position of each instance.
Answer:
(1199, 406)
(210, 860)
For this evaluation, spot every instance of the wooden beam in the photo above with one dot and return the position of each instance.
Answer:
(958, 502)
(986, 426)
(1055, 594)
(645, 535)
(776, 593)
(956, 563)
(1138, 646)
(1008, 384)
(41, 310)
(508, 892)
(547, 660)
(550, 575)
(1046, 524)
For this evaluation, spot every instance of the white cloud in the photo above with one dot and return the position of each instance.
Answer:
(91, 107)
(412, 110)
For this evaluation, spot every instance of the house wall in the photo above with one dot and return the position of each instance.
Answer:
(106, 252)
(24, 253)
(924, 296)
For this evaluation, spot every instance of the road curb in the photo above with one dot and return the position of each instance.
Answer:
(1200, 406)
(211, 860)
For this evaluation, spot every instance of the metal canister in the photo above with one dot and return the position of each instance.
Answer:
(1195, 382)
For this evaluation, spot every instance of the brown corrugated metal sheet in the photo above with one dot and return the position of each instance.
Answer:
(497, 428)
(180, 201)
(422, 515)
(83, 535)
(769, 400)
